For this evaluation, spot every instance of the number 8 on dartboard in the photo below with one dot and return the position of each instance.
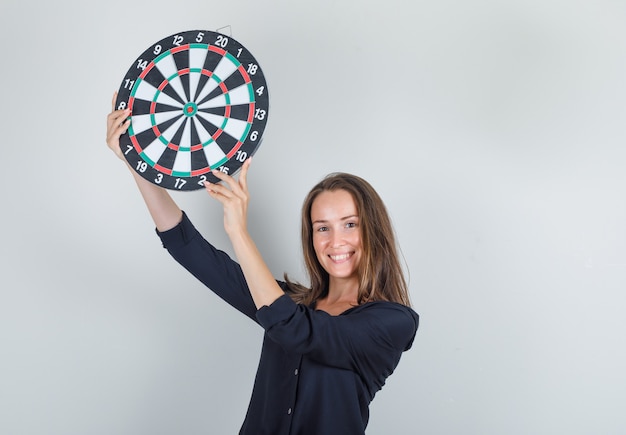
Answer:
(199, 103)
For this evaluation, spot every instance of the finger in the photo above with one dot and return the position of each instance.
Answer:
(121, 128)
(210, 188)
(217, 190)
(113, 101)
(219, 174)
(113, 135)
(226, 179)
(243, 175)
(118, 122)
(117, 117)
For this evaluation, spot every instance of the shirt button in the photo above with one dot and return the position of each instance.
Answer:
(296, 372)
(289, 411)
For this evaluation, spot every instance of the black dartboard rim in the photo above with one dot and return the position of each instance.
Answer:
(199, 103)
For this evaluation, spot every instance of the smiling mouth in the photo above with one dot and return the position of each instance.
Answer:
(341, 257)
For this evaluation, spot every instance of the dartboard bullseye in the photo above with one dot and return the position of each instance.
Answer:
(199, 103)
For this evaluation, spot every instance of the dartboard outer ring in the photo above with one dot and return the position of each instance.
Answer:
(199, 103)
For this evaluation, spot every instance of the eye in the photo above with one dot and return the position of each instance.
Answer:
(321, 229)
(351, 225)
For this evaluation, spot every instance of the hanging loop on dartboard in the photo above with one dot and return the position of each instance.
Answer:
(199, 103)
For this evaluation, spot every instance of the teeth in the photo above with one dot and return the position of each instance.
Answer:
(340, 257)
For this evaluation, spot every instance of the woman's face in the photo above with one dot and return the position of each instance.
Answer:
(336, 234)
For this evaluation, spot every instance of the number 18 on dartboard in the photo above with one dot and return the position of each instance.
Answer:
(199, 103)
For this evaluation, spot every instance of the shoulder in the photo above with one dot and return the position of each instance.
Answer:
(398, 321)
(385, 308)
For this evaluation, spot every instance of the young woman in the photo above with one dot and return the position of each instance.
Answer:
(328, 348)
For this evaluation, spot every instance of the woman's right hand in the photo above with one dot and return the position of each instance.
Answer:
(117, 123)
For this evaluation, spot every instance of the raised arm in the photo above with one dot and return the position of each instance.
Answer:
(164, 211)
(233, 194)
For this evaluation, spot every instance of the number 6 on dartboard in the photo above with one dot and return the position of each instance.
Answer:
(199, 102)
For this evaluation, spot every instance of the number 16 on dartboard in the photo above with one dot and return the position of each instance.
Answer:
(199, 103)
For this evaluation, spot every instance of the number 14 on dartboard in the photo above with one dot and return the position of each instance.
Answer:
(199, 103)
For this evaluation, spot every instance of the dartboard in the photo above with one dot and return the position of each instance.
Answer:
(199, 103)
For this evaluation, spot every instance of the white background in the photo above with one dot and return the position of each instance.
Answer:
(494, 130)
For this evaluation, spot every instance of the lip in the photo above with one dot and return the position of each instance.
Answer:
(341, 258)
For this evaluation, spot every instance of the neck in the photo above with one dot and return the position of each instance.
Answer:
(339, 299)
(345, 291)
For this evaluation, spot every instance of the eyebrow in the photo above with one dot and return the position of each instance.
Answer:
(321, 221)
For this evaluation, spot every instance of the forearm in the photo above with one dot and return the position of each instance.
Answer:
(234, 198)
(263, 287)
(164, 211)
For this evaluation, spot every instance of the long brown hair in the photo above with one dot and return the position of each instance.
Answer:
(380, 274)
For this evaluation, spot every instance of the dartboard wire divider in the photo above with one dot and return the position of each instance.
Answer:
(199, 103)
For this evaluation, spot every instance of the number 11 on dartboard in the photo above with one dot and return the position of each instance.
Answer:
(199, 103)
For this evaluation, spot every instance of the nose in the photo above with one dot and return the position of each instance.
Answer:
(337, 239)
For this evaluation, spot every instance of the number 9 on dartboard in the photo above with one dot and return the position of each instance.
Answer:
(199, 103)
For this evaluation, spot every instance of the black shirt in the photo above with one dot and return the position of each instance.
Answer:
(317, 373)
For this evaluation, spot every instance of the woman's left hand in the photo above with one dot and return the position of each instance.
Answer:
(118, 122)
(234, 196)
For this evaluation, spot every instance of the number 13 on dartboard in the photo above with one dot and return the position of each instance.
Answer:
(199, 103)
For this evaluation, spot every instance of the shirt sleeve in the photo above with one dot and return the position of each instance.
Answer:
(368, 340)
(214, 268)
